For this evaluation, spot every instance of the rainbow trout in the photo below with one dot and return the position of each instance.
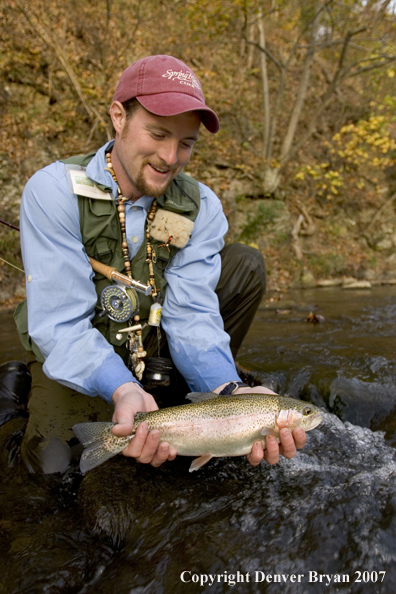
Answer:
(212, 426)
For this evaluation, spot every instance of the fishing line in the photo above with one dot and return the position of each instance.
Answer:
(13, 265)
(2, 259)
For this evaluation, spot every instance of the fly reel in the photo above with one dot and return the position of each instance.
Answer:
(119, 303)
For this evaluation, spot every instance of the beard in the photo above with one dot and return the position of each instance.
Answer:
(148, 190)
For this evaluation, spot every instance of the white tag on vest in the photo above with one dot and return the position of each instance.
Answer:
(82, 185)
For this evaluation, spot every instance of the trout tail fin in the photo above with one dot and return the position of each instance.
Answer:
(96, 439)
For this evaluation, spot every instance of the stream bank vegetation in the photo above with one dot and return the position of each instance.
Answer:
(305, 160)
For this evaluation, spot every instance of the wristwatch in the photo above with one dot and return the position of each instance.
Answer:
(231, 387)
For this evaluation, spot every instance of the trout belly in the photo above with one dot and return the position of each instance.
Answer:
(224, 437)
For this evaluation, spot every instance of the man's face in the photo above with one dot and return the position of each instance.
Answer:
(149, 150)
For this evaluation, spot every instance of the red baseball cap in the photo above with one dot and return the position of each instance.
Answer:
(165, 86)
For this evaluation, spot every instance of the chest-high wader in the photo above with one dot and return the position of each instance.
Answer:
(101, 236)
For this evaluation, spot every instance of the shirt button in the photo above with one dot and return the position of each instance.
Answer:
(134, 207)
(135, 239)
(29, 278)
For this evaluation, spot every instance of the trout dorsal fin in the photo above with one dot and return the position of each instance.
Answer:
(201, 396)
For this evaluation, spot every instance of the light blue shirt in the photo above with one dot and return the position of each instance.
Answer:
(61, 295)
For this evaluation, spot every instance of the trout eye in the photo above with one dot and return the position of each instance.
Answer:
(306, 411)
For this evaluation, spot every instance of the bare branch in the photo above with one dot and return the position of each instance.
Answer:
(264, 74)
(379, 14)
(347, 40)
(349, 72)
(317, 13)
(337, 79)
(368, 68)
(266, 52)
(278, 102)
(302, 90)
(130, 38)
(295, 240)
(43, 32)
(380, 211)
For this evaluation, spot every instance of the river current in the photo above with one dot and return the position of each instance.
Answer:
(324, 521)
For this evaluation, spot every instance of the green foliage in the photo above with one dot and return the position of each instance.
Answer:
(327, 264)
(268, 212)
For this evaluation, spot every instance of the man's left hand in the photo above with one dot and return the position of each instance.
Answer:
(290, 442)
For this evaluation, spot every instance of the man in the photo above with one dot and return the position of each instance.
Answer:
(163, 229)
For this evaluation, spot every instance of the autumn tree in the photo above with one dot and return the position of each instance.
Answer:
(327, 46)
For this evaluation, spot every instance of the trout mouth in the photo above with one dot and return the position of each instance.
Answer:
(314, 420)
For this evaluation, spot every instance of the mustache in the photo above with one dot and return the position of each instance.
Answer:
(161, 165)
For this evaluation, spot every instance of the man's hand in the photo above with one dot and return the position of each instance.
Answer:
(130, 399)
(289, 444)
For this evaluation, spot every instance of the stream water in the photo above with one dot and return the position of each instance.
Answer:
(324, 521)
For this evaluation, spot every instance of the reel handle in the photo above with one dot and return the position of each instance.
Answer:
(112, 274)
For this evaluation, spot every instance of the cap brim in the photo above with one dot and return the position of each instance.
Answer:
(169, 104)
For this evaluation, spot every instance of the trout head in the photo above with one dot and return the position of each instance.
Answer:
(300, 414)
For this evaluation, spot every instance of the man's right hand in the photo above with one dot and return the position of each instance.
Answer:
(128, 400)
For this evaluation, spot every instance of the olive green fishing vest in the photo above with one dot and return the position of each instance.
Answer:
(101, 236)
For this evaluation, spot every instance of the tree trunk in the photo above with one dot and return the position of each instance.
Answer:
(302, 89)
(264, 74)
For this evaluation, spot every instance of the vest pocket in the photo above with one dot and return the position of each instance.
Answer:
(103, 251)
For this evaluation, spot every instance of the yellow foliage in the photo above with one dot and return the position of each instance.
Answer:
(357, 146)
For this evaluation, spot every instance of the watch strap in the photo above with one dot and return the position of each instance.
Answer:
(231, 387)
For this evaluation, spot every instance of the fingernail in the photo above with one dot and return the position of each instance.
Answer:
(271, 438)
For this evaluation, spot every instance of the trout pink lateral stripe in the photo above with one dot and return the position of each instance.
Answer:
(212, 426)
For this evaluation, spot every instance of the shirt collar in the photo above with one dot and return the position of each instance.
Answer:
(96, 170)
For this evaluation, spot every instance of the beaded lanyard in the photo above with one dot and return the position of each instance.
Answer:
(135, 344)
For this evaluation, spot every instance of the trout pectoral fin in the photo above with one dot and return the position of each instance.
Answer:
(268, 431)
(199, 462)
